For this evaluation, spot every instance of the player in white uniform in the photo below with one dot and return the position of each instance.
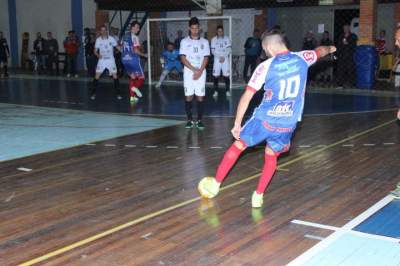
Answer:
(194, 51)
(104, 50)
(221, 49)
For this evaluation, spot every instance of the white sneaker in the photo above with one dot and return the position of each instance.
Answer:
(215, 95)
(158, 85)
(257, 200)
(68, 75)
(93, 97)
(76, 76)
(119, 97)
(137, 92)
(134, 99)
(228, 94)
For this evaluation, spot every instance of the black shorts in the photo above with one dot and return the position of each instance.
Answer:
(3, 59)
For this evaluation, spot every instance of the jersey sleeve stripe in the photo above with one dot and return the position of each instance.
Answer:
(249, 88)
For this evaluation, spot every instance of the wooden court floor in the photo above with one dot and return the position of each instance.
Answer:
(133, 200)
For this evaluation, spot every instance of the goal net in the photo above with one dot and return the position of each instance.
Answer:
(164, 31)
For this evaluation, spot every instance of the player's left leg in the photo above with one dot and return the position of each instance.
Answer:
(226, 73)
(278, 142)
(270, 162)
(116, 85)
(164, 74)
(5, 68)
(112, 68)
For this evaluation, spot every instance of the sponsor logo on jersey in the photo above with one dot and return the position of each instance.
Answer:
(282, 109)
(309, 56)
(257, 73)
(268, 95)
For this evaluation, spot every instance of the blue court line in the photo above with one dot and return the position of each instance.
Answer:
(385, 222)
(26, 130)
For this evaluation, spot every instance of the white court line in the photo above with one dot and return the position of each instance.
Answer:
(172, 147)
(389, 143)
(348, 145)
(24, 169)
(130, 146)
(109, 145)
(314, 237)
(90, 144)
(151, 146)
(306, 256)
(368, 144)
(216, 147)
(304, 146)
(194, 147)
(350, 231)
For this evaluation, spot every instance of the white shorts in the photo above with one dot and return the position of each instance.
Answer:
(397, 76)
(106, 63)
(194, 87)
(218, 67)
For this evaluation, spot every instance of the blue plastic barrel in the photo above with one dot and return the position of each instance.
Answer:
(366, 60)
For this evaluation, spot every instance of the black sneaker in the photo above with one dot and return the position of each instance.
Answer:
(189, 124)
(199, 125)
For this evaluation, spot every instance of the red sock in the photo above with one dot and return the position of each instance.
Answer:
(267, 173)
(131, 84)
(139, 82)
(230, 157)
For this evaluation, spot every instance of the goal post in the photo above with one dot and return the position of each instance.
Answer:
(160, 31)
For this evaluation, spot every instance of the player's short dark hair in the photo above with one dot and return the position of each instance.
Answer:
(133, 23)
(220, 27)
(275, 35)
(194, 21)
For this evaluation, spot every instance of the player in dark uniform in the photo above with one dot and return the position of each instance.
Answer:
(4, 55)
(284, 76)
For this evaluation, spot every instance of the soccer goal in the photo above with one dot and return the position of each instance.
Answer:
(161, 31)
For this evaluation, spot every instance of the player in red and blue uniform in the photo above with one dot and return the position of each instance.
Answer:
(283, 78)
(131, 53)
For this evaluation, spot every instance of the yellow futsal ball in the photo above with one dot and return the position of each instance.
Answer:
(208, 187)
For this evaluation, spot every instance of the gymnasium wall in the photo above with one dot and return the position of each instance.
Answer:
(297, 21)
(4, 24)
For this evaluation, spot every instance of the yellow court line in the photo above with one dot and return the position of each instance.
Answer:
(182, 204)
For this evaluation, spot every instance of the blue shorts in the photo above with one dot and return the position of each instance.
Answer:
(176, 65)
(255, 131)
(133, 66)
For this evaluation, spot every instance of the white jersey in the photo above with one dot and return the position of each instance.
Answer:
(195, 50)
(106, 47)
(221, 47)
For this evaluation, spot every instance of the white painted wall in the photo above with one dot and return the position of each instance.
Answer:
(43, 16)
(89, 13)
(4, 23)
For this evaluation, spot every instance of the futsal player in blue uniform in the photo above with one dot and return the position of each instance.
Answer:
(283, 78)
(171, 62)
(131, 52)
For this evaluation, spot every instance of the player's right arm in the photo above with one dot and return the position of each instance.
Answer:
(183, 51)
(96, 49)
(256, 82)
(241, 110)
